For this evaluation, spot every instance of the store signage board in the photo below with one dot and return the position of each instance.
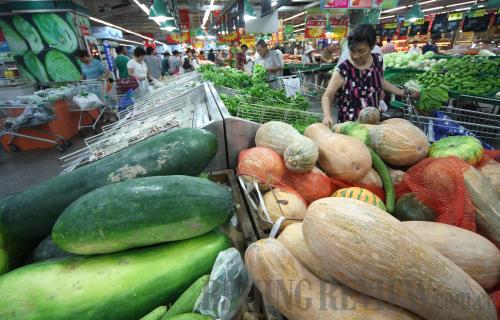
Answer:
(339, 32)
(439, 24)
(334, 4)
(107, 33)
(455, 16)
(109, 57)
(478, 13)
(289, 29)
(360, 4)
(315, 29)
(248, 39)
(419, 22)
(390, 25)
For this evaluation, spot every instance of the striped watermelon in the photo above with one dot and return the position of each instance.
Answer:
(360, 194)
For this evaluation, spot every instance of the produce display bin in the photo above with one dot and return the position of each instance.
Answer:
(195, 108)
(241, 233)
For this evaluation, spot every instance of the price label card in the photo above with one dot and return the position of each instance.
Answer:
(419, 22)
(406, 24)
(455, 16)
(390, 25)
(478, 13)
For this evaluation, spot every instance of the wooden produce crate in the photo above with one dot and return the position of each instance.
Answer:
(241, 233)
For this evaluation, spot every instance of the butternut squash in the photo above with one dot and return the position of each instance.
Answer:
(299, 295)
(372, 178)
(341, 156)
(398, 142)
(486, 203)
(474, 254)
(372, 252)
(293, 239)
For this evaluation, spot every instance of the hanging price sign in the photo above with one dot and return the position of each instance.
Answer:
(455, 16)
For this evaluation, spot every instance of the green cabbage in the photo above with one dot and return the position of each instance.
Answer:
(25, 73)
(29, 33)
(14, 40)
(60, 67)
(56, 32)
(36, 67)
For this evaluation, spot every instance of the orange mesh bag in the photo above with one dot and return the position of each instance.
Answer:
(311, 186)
(495, 296)
(487, 156)
(262, 164)
(440, 185)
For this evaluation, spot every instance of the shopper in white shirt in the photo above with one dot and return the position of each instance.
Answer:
(270, 60)
(307, 57)
(138, 69)
(414, 48)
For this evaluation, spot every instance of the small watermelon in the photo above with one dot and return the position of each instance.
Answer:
(360, 194)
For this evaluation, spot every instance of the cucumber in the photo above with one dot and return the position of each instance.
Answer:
(390, 194)
(156, 314)
(142, 212)
(31, 214)
(47, 250)
(189, 316)
(187, 300)
(125, 285)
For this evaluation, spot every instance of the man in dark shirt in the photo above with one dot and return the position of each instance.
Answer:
(430, 46)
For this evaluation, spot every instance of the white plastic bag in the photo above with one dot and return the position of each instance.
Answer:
(383, 106)
(227, 289)
(87, 101)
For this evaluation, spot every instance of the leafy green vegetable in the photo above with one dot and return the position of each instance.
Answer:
(29, 33)
(56, 32)
(60, 67)
(14, 40)
(36, 67)
(432, 98)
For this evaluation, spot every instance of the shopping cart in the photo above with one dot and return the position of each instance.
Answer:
(450, 121)
(17, 114)
(301, 83)
(95, 91)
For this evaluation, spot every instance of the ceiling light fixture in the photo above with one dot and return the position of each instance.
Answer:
(142, 6)
(387, 17)
(299, 25)
(163, 44)
(207, 15)
(295, 16)
(158, 12)
(299, 30)
(117, 27)
(426, 2)
(414, 13)
(249, 11)
(459, 4)
(431, 9)
(136, 42)
(168, 26)
(395, 9)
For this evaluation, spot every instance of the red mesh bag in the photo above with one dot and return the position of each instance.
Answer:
(495, 296)
(487, 156)
(268, 167)
(439, 183)
(312, 186)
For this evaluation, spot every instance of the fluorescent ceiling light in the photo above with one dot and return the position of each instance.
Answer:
(431, 9)
(136, 42)
(395, 9)
(207, 15)
(295, 16)
(387, 17)
(425, 2)
(117, 27)
(142, 6)
(164, 44)
(299, 30)
(459, 4)
(299, 25)
(274, 3)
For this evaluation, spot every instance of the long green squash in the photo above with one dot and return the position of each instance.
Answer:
(31, 214)
(125, 285)
(142, 212)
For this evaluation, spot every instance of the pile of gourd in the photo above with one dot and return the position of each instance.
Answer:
(345, 256)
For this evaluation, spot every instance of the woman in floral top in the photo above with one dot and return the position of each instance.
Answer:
(358, 82)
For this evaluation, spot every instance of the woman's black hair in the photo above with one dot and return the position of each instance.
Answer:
(119, 49)
(149, 50)
(82, 53)
(166, 54)
(244, 46)
(363, 33)
(139, 52)
(175, 52)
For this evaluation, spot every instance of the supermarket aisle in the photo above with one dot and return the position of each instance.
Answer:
(21, 170)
